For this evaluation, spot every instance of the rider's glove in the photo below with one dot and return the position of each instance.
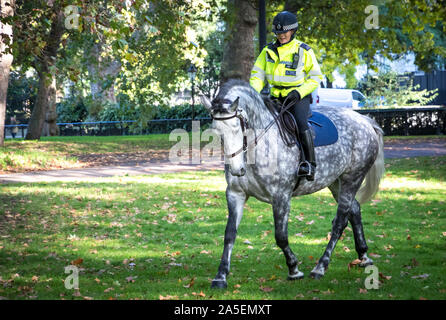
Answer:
(294, 95)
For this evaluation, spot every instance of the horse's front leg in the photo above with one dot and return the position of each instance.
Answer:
(236, 200)
(281, 210)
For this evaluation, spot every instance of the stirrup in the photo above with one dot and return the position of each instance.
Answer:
(306, 169)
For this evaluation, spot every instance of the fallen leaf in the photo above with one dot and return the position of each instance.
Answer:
(191, 283)
(421, 276)
(310, 222)
(35, 278)
(353, 263)
(77, 261)
(201, 294)
(362, 290)
(266, 289)
(382, 276)
(168, 297)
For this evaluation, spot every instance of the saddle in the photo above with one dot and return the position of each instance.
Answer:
(323, 129)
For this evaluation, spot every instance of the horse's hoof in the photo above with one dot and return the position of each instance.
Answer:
(219, 284)
(299, 275)
(316, 275)
(366, 262)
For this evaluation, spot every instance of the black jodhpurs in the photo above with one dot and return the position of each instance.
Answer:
(301, 112)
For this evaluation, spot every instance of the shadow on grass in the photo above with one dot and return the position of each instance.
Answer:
(140, 239)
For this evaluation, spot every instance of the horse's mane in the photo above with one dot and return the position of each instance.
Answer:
(227, 86)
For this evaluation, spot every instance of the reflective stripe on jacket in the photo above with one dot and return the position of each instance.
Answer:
(274, 65)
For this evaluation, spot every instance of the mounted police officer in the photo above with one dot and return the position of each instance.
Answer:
(291, 67)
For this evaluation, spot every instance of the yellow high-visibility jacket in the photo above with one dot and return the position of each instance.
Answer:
(274, 65)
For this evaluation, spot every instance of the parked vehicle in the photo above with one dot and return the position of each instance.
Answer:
(345, 98)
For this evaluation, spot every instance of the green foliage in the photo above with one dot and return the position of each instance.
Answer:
(337, 32)
(209, 75)
(72, 109)
(396, 91)
(183, 111)
(21, 97)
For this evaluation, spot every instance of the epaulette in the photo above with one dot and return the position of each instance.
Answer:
(305, 46)
(271, 45)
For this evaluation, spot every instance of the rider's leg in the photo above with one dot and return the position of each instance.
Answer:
(301, 111)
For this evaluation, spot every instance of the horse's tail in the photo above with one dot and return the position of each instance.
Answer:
(371, 184)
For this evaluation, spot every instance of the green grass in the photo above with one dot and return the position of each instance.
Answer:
(20, 155)
(63, 152)
(146, 237)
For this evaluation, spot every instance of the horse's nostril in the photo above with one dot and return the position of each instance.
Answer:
(242, 171)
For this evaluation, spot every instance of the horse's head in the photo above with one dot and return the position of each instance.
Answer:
(231, 124)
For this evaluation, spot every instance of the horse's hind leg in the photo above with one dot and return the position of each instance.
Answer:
(235, 201)
(358, 232)
(346, 198)
(281, 210)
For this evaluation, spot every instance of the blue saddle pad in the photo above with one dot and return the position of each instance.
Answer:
(323, 128)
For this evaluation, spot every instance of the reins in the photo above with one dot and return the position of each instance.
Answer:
(283, 119)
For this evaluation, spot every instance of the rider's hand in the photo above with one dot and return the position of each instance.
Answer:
(294, 95)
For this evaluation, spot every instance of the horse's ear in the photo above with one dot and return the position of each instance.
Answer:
(206, 102)
(234, 105)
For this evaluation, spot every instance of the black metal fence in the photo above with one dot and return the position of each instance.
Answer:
(409, 121)
(112, 128)
(395, 122)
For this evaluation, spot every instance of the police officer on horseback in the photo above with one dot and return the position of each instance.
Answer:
(291, 68)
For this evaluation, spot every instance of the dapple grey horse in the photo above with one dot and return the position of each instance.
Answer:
(262, 166)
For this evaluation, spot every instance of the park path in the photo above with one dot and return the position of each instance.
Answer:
(394, 149)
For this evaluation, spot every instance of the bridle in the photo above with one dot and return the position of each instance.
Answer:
(244, 124)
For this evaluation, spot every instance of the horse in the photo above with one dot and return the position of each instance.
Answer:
(265, 167)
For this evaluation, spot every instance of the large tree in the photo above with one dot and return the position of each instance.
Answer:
(6, 58)
(239, 55)
(342, 33)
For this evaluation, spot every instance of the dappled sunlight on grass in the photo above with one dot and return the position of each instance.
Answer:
(146, 236)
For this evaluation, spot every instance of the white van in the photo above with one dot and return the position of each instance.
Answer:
(345, 98)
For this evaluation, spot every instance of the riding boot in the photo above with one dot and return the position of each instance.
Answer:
(308, 166)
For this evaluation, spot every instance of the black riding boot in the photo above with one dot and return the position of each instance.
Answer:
(307, 167)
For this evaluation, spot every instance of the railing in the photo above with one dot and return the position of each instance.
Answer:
(398, 122)
(409, 121)
(119, 128)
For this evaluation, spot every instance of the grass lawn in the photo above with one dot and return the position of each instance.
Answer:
(161, 237)
(73, 152)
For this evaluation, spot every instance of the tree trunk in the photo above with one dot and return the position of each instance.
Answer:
(35, 125)
(50, 127)
(238, 55)
(6, 10)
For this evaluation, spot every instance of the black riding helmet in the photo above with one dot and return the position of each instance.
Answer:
(284, 21)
